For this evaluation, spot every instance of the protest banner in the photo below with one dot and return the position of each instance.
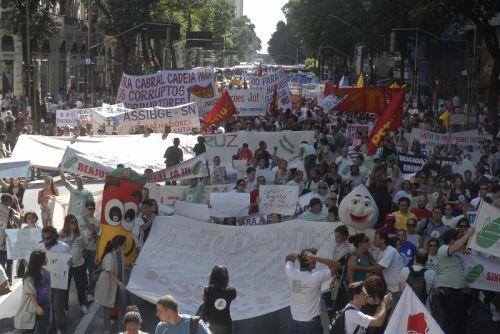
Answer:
(409, 163)
(267, 83)
(278, 199)
(366, 99)
(353, 128)
(66, 118)
(78, 163)
(230, 204)
(169, 194)
(468, 141)
(167, 88)
(482, 273)
(226, 145)
(295, 88)
(180, 253)
(84, 116)
(59, 208)
(329, 102)
(248, 102)
(192, 210)
(487, 230)
(192, 168)
(11, 167)
(57, 265)
(21, 242)
(411, 316)
(181, 119)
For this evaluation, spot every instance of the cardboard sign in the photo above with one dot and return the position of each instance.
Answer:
(57, 265)
(278, 199)
(21, 242)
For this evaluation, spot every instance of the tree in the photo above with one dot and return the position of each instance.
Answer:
(245, 40)
(283, 45)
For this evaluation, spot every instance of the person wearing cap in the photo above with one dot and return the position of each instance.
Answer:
(315, 212)
(78, 195)
(402, 215)
(388, 228)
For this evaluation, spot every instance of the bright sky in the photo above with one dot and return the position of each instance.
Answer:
(265, 14)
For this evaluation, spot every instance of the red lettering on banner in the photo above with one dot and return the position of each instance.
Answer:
(493, 277)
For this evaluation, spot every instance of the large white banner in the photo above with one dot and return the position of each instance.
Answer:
(285, 143)
(21, 242)
(482, 273)
(165, 88)
(189, 169)
(268, 82)
(181, 119)
(179, 255)
(78, 163)
(57, 265)
(487, 230)
(11, 167)
(169, 194)
(278, 199)
(248, 102)
(469, 141)
(192, 210)
(231, 204)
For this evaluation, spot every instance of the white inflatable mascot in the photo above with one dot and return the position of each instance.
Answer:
(358, 209)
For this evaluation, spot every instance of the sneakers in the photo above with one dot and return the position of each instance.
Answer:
(90, 298)
(85, 310)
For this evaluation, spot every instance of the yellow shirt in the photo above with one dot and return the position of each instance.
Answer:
(402, 219)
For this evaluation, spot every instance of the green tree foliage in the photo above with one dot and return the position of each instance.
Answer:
(244, 38)
(283, 45)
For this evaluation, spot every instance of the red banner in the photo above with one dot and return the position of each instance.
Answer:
(367, 99)
(223, 110)
(389, 120)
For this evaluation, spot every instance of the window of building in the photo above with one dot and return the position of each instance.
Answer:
(8, 44)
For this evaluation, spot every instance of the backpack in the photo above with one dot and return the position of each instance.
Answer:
(338, 322)
(416, 280)
(193, 324)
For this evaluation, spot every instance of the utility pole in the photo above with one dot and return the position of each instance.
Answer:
(90, 88)
(29, 78)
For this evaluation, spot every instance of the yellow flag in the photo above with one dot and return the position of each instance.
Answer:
(236, 82)
(394, 85)
(445, 117)
(361, 81)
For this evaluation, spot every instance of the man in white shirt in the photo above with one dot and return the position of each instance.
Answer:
(355, 320)
(390, 263)
(415, 271)
(343, 161)
(306, 289)
(308, 154)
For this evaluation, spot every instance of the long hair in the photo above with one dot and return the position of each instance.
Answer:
(117, 241)
(37, 261)
(52, 186)
(219, 278)
(67, 222)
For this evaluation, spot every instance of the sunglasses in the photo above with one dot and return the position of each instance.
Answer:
(433, 245)
(91, 208)
(46, 238)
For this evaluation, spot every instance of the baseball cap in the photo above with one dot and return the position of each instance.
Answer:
(314, 201)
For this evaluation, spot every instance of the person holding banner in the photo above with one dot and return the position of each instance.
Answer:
(78, 195)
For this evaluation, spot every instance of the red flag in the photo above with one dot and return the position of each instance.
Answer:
(259, 71)
(386, 122)
(273, 105)
(329, 89)
(223, 110)
(222, 89)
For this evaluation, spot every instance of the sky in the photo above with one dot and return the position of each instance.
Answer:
(265, 14)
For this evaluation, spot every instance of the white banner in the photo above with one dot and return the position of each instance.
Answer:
(181, 119)
(461, 139)
(482, 273)
(189, 169)
(57, 265)
(285, 143)
(487, 230)
(267, 82)
(66, 118)
(84, 116)
(231, 204)
(21, 242)
(278, 199)
(10, 167)
(248, 102)
(411, 316)
(192, 210)
(180, 253)
(78, 163)
(166, 88)
(169, 194)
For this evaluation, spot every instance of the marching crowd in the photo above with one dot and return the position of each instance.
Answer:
(420, 237)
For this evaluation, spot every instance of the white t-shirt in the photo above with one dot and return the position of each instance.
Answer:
(59, 247)
(393, 263)
(355, 318)
(430, 276)
(306, 291)
(308, 149)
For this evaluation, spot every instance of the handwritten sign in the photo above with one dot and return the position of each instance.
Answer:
(230, 204)
(21, 242)
(278, 199)
(67, 118)
(57, 265)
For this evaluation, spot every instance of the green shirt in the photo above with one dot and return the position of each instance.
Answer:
(77, 199)
(450, 270)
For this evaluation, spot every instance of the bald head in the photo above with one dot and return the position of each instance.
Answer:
(421, 257)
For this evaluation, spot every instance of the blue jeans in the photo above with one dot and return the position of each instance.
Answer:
(306, 327)
(59, 320)
(42, 322)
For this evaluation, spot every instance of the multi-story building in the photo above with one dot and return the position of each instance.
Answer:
(238, 8)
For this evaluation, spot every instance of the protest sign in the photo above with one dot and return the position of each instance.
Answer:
(59, 208)
(286, 143)
(165, 88)
(329, 102)
(248, 102)
(482, 273)
(411, 316)
(57, 265)
(181, 119)
(78, 163)
(192, 168)
(267, 82)
(66, 118)
(268, 174)
(487, 230)
(353, 128)
(231, 204)
(409, 163)
(11, 167)
(84, 116)
(180, 253)
(21, 242)
(278, 199)
(169, 194)
(192, 210)
(468, 141)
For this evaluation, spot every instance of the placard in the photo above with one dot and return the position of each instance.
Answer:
(487, 230)
(482, 273)
(192, 210)
(22, 242)
(66, 118)
(270, 81)
(248, 102)
(278, 199)
(231, 204)
(57, 265)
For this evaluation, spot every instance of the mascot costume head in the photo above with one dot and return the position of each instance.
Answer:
(358, 209)
(120, 200)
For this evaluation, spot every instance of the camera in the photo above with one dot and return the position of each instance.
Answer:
(302, 259)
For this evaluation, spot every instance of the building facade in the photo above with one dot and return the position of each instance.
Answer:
(238, 8)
